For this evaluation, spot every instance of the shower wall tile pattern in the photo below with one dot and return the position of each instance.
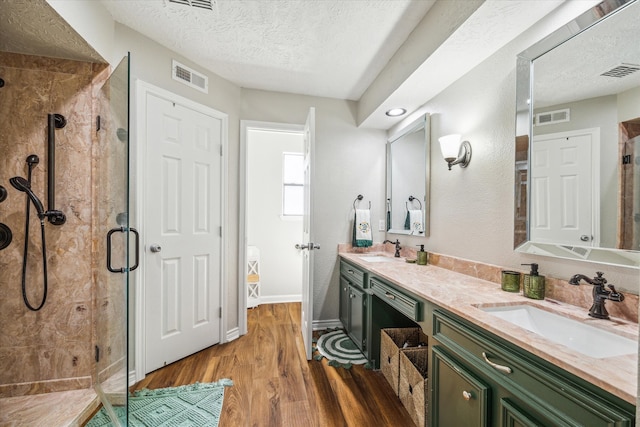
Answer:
(52, 349)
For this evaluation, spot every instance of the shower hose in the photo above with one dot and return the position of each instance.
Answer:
(24, 259)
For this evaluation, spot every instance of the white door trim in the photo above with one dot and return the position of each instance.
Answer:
(246, 125)
(142, 89)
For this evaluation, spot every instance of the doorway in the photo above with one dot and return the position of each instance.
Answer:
(270, 224)
(563, 192)
(274, 212)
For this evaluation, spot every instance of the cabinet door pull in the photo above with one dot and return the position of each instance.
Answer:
(501, 368)
(350, 271)
(466, 395)
(389, 295)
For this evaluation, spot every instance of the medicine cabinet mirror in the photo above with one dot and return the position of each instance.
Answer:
(577, 166)
(407, 207)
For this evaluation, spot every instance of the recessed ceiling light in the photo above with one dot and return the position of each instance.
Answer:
(395, 112)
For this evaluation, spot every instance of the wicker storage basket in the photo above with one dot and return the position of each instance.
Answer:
(391, 341)
(413, 383)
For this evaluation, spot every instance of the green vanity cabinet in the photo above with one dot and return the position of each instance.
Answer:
(353, 303)
(479, 379)
(390, 307)
(462, 399)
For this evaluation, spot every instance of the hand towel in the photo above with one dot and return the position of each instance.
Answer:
(362, 237)
(415, 221)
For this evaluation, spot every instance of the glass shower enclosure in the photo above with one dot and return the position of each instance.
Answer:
(113, 235)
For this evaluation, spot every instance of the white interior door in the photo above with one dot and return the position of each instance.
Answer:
(562, 190)
(308, 245)
(183, 231)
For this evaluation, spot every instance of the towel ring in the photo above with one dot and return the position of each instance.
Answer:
(359, 198)
(411, 199)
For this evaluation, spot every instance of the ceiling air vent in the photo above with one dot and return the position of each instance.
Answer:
(621, 70)
(190, 77)
(203, 4)
(552, 117)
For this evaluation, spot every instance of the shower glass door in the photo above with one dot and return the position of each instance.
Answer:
(112, 236)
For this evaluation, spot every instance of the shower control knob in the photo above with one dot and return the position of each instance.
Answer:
(155, 248)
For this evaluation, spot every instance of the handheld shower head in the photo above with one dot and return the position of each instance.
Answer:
(21, 184)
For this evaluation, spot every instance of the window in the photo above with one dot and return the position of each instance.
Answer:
(292, 184)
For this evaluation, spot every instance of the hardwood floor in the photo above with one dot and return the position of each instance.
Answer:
(274, 385)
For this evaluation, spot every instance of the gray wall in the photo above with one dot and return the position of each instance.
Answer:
(599, 113)
(349, 161)
(472, 208)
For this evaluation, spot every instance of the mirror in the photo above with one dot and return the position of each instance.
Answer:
(407, 180)
(577, 192)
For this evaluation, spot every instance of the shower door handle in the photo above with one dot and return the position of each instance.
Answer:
(137, 249)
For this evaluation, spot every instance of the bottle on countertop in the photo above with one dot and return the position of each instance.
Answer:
(422, 256)
(533, 284)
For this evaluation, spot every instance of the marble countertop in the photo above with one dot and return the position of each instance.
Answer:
(462, 295)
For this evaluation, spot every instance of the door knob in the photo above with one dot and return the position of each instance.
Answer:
(585, 238)
(310, 246)
(155, 248)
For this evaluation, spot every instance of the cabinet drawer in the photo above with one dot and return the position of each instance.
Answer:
(406, 305)
(564, 399)
(352, 274)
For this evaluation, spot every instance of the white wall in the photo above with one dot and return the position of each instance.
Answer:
(273, 235)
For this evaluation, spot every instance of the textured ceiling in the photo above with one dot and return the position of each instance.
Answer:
(331, 48)
(32, 27)
(579, 63)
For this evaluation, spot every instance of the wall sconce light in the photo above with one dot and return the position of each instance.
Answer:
(454, 151)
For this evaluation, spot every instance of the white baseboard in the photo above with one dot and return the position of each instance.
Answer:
(280, 298)
(132, 378)
(232, 334)
(326, 324)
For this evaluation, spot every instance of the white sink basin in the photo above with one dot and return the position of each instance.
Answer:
(376, 258)
(583, 338)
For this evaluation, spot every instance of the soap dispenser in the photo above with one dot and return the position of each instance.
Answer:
(422, 256)
(533, 285)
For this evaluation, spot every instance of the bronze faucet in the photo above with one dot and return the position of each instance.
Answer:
(397, 243)
(600, 295)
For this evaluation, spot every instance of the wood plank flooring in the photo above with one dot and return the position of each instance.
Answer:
(274, 385)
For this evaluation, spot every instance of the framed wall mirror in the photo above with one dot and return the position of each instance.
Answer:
(577, 166)
(408, 171)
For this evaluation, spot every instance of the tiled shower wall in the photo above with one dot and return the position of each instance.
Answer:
(52, 349)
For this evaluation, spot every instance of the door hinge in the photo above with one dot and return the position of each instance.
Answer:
(626, 159)
(97, 356)
(364, 343)
(221, 150)
(97, 123)
(220, 231)
(220, 312)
